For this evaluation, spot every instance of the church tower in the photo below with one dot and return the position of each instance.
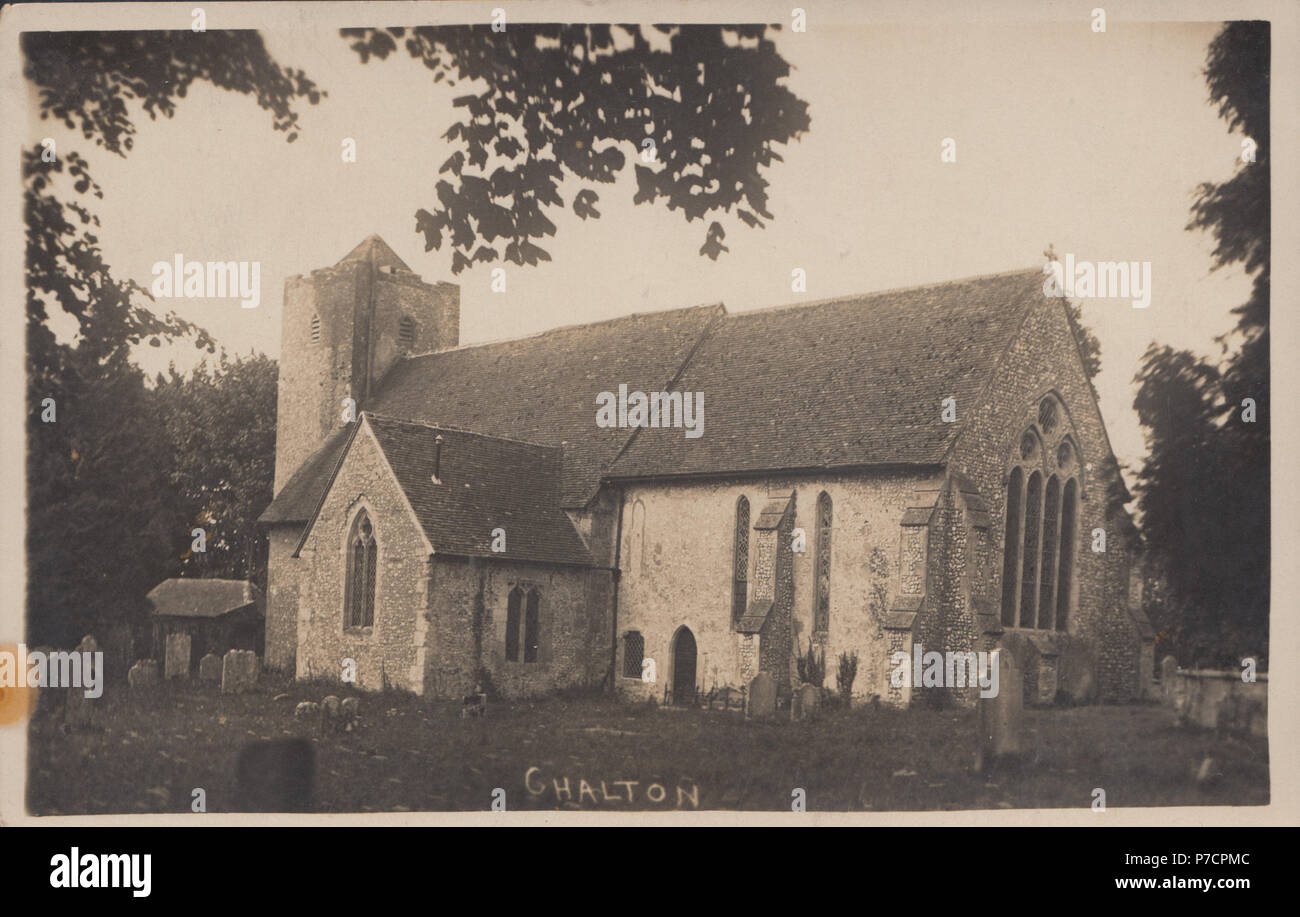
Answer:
(343, 328)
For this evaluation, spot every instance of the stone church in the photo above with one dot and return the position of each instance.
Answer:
(924, 467)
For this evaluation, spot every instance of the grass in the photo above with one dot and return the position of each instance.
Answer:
(147, 752)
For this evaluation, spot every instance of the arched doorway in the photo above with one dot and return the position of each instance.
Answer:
(684, 653)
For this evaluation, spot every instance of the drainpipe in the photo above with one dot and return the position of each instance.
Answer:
(618, 548)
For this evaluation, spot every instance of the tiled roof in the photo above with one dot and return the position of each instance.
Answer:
(544, 388)
(854, 381)
(486, 482)
(203, 598)
(857, 381)
(297, 500)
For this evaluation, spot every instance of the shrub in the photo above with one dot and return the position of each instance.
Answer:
(812, 667)
(844, 676)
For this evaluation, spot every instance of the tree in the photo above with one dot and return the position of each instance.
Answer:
(219, 423)
(557, 103)
(105, 520)
(1204, 489)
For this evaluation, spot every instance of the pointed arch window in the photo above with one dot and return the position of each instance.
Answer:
(1069, 512)
(1029, 572)
(740, 561)
(1051, 536)
(822, 606)
(1039, 535)
(362, 563)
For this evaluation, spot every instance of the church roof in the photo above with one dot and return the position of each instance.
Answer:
(543, 388)
(487, 482)
(850, 382)
(847, 382)
(375, 250)
(484, 483)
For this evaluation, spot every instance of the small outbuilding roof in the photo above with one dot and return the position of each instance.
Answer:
(203, 598)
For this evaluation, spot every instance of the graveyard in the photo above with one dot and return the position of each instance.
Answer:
(146, 748)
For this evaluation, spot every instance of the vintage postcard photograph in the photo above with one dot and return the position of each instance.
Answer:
(641, 411)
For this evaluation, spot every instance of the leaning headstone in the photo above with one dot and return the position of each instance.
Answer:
(238, 671)
(77, 710)
(762, 696)
(1001, 718)
(210, 668)
(143, 674)
(176, 658)
(1168, 674)
(275, 775)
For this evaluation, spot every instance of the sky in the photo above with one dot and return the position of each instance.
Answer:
(1092, 142)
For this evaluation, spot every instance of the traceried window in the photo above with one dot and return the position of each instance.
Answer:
(361, 566)
(822, 599)
(1047, 416)
(740, 561)
(1041, 511)
(633, 653)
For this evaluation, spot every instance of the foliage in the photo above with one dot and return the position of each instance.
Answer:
(1204, 490)
(812, 666)
(556, 103)
(106, 521)
(845, 673)
(102, 525)
(86, 79)
(220, 424)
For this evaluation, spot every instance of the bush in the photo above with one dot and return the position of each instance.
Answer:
(812, 667)
(844, 676)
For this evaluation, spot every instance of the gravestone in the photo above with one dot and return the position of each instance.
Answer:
(275, 775)
(143, 674)
(210, 668)
(77, 710)
(238, 671)
(1001, 718)
(1168, 675)
(176, 657)
(762, 696)
(810, 698)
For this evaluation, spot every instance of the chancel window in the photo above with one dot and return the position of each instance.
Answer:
(361, 567)
(1041, 512)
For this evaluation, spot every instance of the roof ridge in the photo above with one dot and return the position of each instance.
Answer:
(849, 297)
(454, 429)
(545, 331)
